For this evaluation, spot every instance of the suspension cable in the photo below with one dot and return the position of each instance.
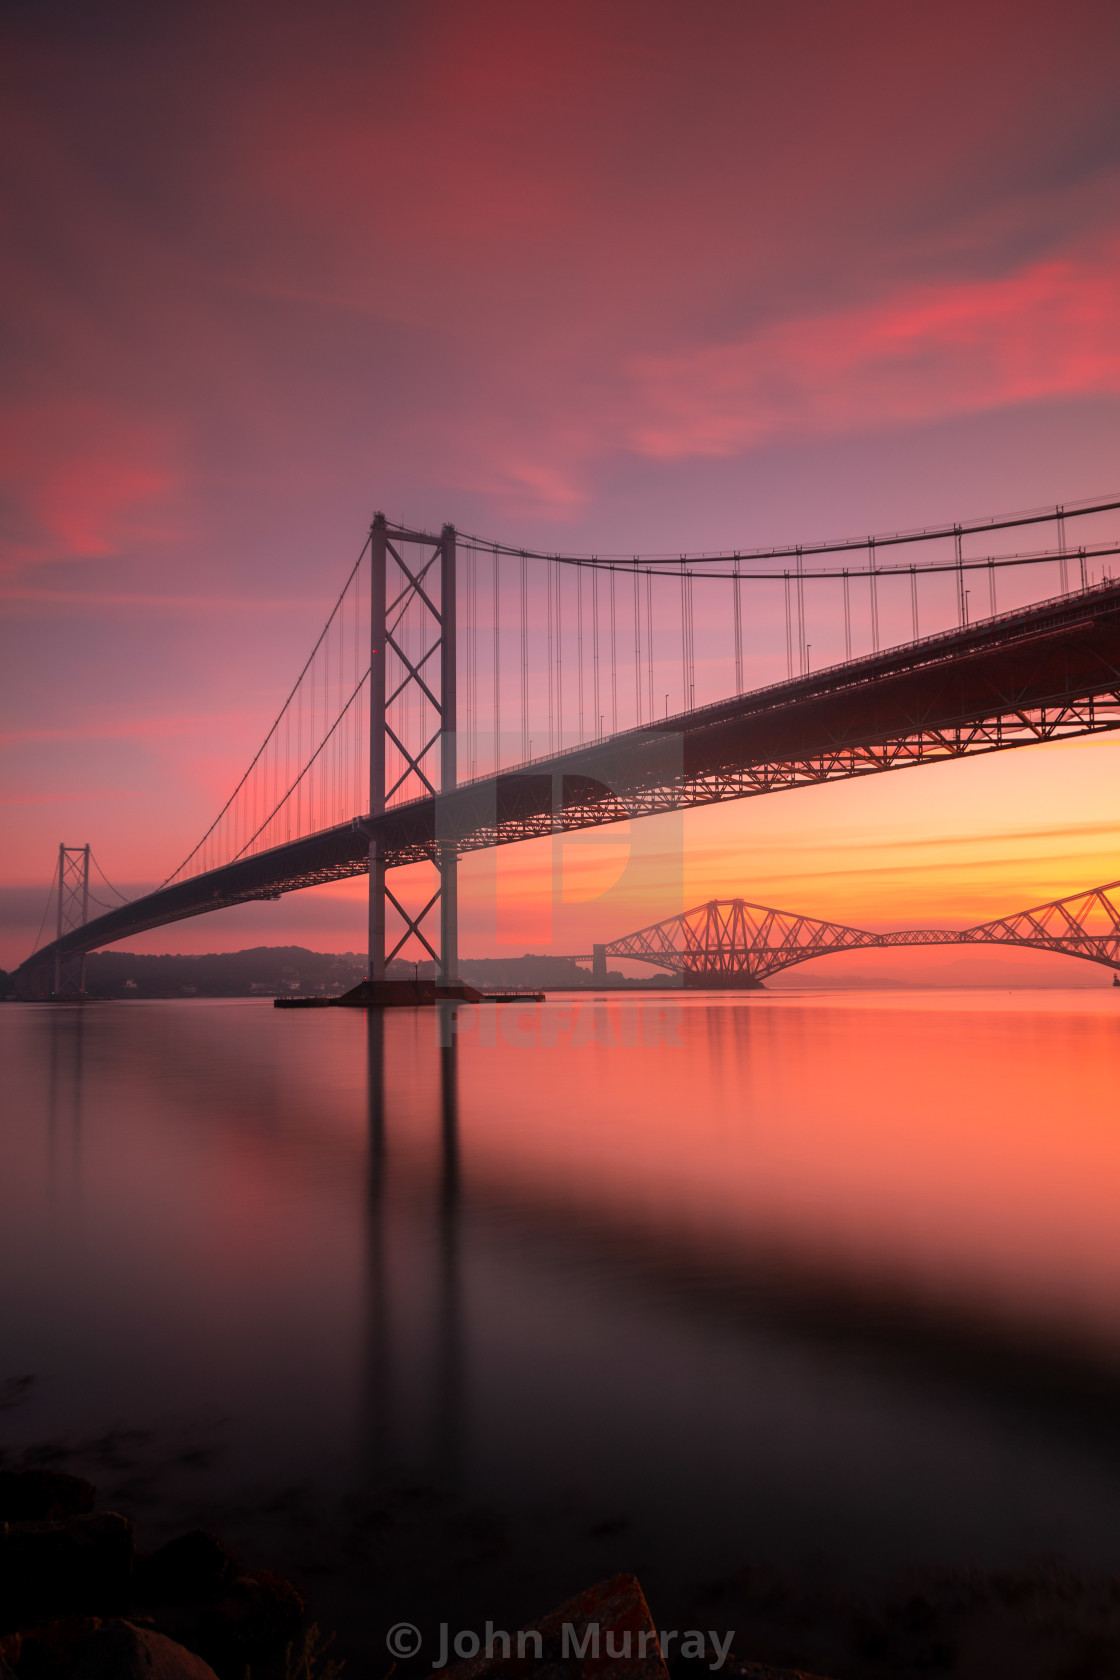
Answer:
(55, 872)
(307, 768)
(294, 691)
(123, 898)
(885, 539)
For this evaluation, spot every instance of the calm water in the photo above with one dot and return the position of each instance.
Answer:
(827, 1281)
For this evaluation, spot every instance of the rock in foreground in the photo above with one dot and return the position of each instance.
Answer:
(120, 1651)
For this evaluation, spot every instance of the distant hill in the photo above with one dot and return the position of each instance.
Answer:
(264, 971)
(290, 970)
(528, 972)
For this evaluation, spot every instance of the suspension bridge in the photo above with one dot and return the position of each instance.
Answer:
(465, 694)
(730, 943)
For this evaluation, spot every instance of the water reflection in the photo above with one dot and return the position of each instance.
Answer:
(826, 1274)
(434, 1391)
(65, 1084)
(378, 1386)
(450, 1397)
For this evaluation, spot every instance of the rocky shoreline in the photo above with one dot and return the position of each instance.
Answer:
(79, 1600)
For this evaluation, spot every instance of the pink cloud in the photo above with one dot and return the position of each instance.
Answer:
(84, 479)
(1052, 330)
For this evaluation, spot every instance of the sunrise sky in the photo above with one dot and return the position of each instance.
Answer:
(606, 276)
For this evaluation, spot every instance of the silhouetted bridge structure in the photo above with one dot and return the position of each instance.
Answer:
(730, 943)
(393, 749)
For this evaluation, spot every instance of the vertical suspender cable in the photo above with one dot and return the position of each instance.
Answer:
(873, 575)
(914, 600)
(1063, 565)
(802, 650)
(597, 718)
(1081, 559)
(649, 642)
(356, 796)
(336, 738)
(299, 760)
(315, 777)
(314, 735)
(251, 804)
(524, 659)
(339, 725)
(992, 585)
(637, 647)
(497, 668)
(789, 633)
(559, 658)
(847, 617)
(468, 574)
(684, 641)
(614, 658)
(737, 611)
(579, 649)
(551, 657)
(960, 576)
(473, 574)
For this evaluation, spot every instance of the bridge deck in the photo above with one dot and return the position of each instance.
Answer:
(1044, 673)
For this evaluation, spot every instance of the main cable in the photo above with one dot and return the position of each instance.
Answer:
(276, 722)
(931, 533)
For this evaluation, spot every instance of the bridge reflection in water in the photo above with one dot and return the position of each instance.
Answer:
(802, 1272)
(393, 1414)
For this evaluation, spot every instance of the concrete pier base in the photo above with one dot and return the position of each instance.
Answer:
(388, 994)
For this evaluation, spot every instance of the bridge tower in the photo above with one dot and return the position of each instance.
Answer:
(73, 912)
(415, 560)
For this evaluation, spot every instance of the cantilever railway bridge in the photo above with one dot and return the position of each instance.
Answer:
(409, 735)
(730, 942)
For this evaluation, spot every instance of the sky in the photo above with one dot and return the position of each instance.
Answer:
(631, 277)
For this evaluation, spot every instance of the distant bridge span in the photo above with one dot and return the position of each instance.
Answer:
(731, 943)
(1047, 672)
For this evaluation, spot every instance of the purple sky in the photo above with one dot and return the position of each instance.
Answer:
(638, 276)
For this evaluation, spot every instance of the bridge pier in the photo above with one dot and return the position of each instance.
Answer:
(378, 549)
(72, 913)
(376, 911)
(448, 761)
(378, 989)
